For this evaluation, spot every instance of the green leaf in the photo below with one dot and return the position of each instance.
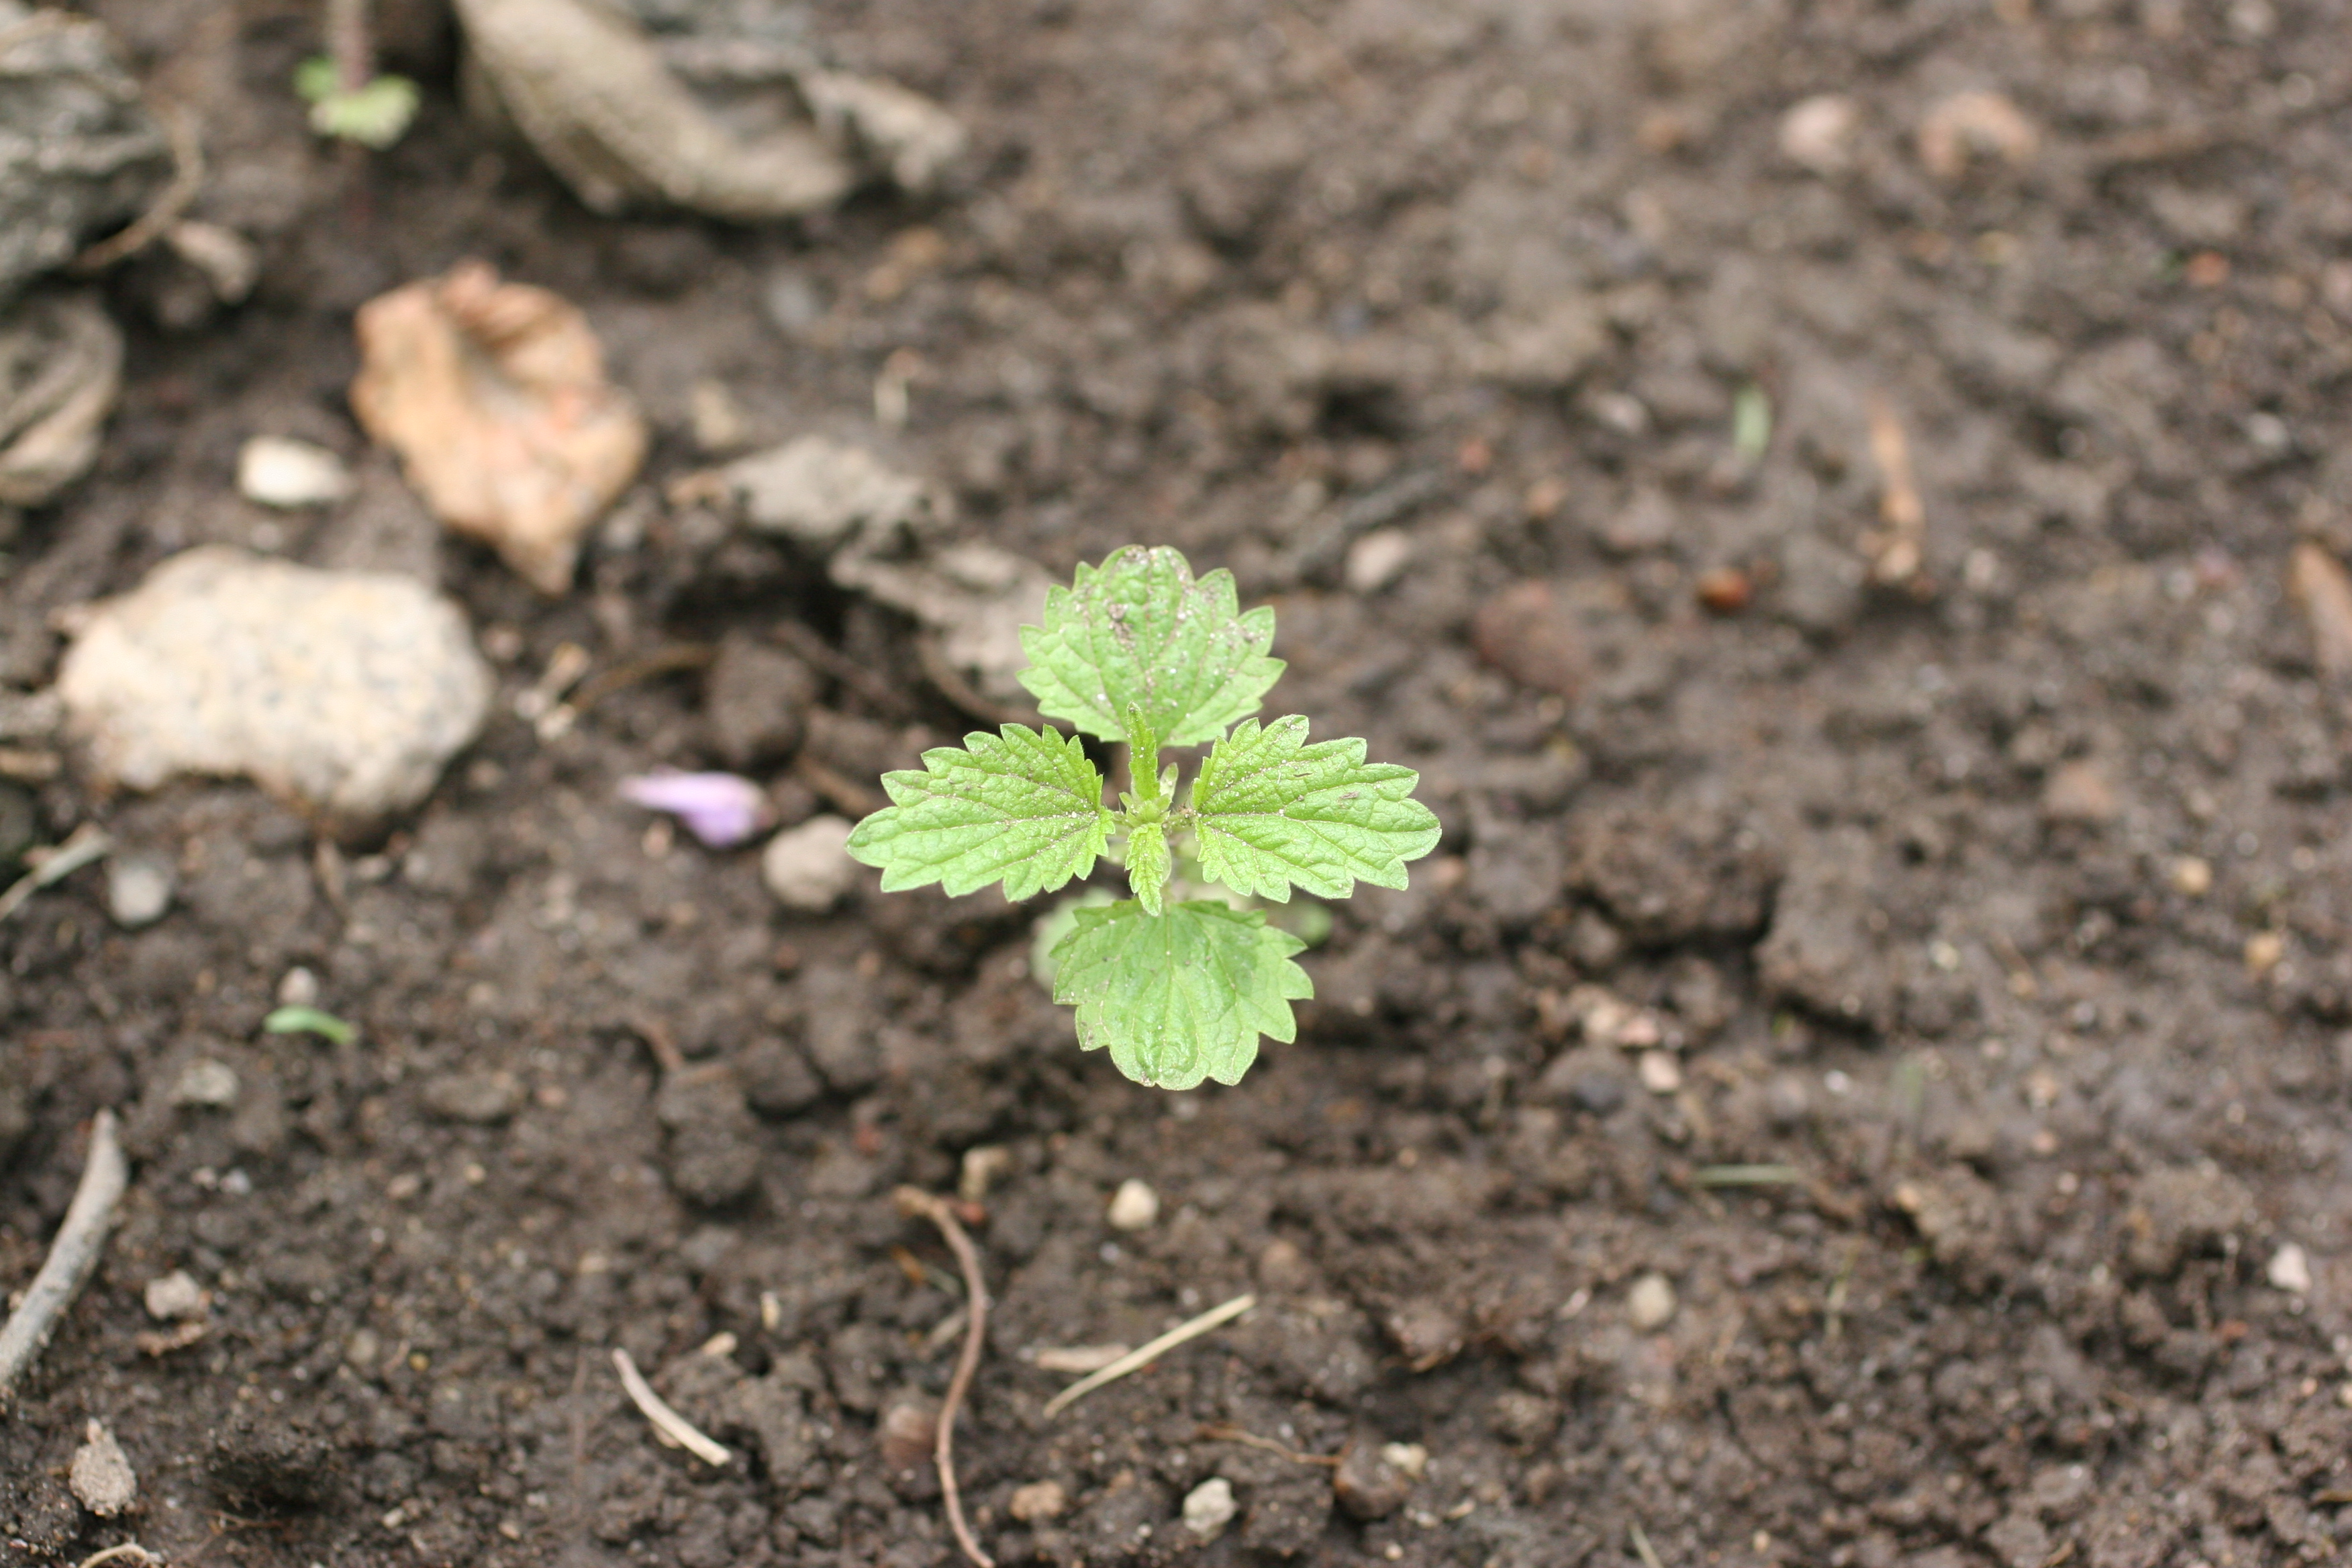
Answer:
(374, 114)
(1272, 810)
(1020, 804)
(308, 1021)
(1146, 863)
(1139, 629)
(1180, 996)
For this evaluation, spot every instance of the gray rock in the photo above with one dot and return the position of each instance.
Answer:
(347, 693)
(208, 1083)
(808, 868)
(78, 151)
(818, 493)
(60, 366)
(139, 889)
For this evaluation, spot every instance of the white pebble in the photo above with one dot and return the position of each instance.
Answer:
(176, 1296)
(1135, 1206)
(2290, 1269)
(100, 1475)
(808, 867)
(272, 470)
(1374, 560)
(298, 987)
(1660, 1073)
(1815, 134)
(1210, 1507)
(207, 1083)
(138, 890)
(1650, 1302)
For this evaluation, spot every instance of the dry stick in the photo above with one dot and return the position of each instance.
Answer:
(1137, 1359)
(1252, 1440)
(1901, 549)
(187, 179)
(85, 844)
(914, 1201)
(71, 1257)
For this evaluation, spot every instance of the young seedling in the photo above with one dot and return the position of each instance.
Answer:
(1138, 652)
(349, 101)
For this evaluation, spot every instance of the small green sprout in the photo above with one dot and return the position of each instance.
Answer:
(1139, 652)
(374, 114)
(308, 1021)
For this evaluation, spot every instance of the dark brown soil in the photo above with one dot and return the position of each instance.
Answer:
(1895, 869)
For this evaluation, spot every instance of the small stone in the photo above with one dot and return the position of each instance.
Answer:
(1661, 1073)
(2290, 1269)
(1370, 1484)
(1210, 1507)
(1817, 132)
(1038, 1501)
(207, 1083)
(755, 698)
(1411, 1459)
(1970, 125)
(1135, 1206)
(298, 987)
(818, 492)
(346, 691)
(808, 868)
(1725, 590)
(480, 1098)
(277, 471)
(1523, 1420)
(139, 889)
(984, 1166)
(2079, 791)
(1650, 1303)
(1525, 632)
(2265, 949)
(1374, 560)
(175, 1296)
(909, 1432)
(100, 1475)
(2321, 590)
(2192, 878)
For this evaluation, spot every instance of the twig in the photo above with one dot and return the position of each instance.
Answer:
(1899, 553)
(187, 179)
(913, 1201)
(668, 1425)
(1642, 1546)
(1143, 1357)
(85, 844)
(71, 1257)
(1251, 1439)
(129, 1549)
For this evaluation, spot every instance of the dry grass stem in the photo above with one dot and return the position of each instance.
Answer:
(668, 1425)
(1136, 1360)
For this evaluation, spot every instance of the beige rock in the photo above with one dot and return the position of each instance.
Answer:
(1135, 1206)
(494, 395)
(1817, 132)
(1650, 1304)
(1037, 1500)
(278, 471)
(1967, 126)
(808, 868)
(346, 692)
(100, 1475)
(2316, 582)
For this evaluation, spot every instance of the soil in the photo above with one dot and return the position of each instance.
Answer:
(2003, 902)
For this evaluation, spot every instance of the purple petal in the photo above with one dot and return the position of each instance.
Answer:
(720, 809)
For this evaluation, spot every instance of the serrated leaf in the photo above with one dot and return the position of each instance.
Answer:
(1272, 810)
(1020, 804)
(1180, 996)
(1147, 864)
(1139, 629)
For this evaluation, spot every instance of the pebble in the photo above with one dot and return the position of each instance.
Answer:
(1817, 132)
(1369, 1484)
(1725, 590)
(2290, 1269)
(479, 1099)
(818, 492)
(754, 698)
(1210, 1507)
(1660, 1073)
(1650, 1304)
(1135, 1206)
(100, 1476)
(808, 868)
(2263, 950)
(2192, 878)
(1036, 1500)
(207, 1083)
(1526, 631)
(2317, 584)
(139, 889)
(2079, 791)
(346, 691)
(1968, 125)
(175, 1296)
(281, 472)
(1374, 560)
(298, 987)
